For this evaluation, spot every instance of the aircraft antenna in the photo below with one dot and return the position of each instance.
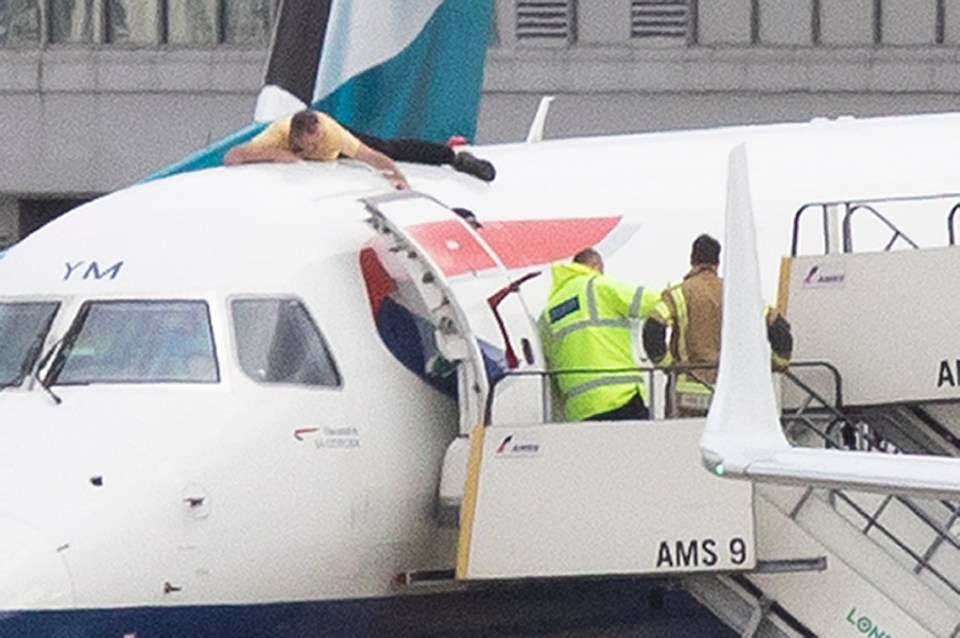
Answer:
(539, 119)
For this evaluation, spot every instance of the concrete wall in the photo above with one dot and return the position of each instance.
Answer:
(630, 89)
(86, 120)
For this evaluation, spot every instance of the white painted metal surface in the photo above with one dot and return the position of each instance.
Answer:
(895, 344)
(576, 499)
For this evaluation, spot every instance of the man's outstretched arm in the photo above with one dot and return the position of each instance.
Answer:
(384, 164)
(247, 153)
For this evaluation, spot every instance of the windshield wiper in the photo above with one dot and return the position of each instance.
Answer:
(40, 365)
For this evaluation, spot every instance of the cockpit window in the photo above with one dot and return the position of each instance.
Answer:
(23, 328)
(278, 342)
(140, 341)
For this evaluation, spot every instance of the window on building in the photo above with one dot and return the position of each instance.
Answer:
(278, 342)
(19, 22)
(134, 22)
(74, 21)
(142, 23)
(248, 22)
(192, 22)
(662, 19)
(546, 20)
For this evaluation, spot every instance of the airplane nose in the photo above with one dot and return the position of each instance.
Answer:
(33, 575)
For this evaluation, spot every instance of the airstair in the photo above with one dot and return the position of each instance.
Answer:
(535, 498)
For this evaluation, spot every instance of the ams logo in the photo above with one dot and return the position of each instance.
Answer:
(509, 447)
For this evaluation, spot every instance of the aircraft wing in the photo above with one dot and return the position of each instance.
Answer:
(743, 436)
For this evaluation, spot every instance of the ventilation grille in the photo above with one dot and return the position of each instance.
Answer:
(543, 20)
(659, 18)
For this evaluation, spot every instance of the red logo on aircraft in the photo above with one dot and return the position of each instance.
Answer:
(299, 432)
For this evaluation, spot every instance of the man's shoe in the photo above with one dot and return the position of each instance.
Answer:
(472, 165)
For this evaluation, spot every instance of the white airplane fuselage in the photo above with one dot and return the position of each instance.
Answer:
(301, 489)
(244, 491)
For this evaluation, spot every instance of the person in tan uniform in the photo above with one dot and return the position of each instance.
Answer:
(313, 135)
(693, 311)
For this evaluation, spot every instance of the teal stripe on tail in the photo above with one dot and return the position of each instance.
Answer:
(431, 90)
(210, 156)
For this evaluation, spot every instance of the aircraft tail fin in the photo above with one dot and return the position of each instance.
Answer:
(405, 69)
(295, 53)
(390, 68)
(743, 437)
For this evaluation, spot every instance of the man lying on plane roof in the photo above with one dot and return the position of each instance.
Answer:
(314, 135)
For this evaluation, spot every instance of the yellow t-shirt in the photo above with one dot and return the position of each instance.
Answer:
(335, 138)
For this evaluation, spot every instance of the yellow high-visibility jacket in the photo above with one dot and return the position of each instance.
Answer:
(587, 326)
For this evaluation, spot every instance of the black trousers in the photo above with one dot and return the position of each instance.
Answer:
(632, 409)
(408, 150)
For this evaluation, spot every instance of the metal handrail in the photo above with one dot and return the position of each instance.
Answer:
(941, 535)
(850, 206)
(648, 371)
(950, 234)
(488, 407)
(848, 228)
(921, 561)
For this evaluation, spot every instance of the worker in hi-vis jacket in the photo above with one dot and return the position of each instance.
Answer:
(587, 337)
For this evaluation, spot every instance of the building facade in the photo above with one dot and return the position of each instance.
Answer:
(96, 94)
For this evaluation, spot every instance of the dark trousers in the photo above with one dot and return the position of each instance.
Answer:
(407, 150)
(632, 409)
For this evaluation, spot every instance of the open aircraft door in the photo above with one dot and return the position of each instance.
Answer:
(458, 285)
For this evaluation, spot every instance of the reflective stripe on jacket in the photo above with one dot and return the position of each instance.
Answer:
(587, 326)
(694, 309)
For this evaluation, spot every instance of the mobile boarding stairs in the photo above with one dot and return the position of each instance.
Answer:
(876, 368)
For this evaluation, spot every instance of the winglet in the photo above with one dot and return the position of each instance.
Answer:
(743, 436)
(743, 420)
